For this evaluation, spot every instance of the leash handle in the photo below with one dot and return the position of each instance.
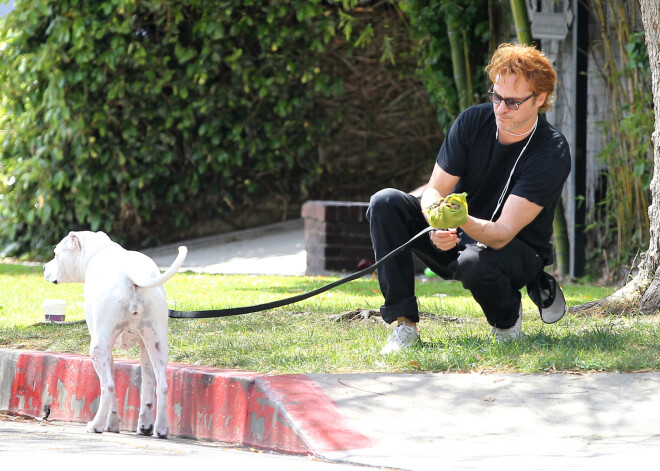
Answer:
(235, 311)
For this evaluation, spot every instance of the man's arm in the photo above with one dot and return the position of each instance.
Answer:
(516, 214)
(440, 185)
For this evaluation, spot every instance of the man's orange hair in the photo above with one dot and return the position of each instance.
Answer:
(528, 62)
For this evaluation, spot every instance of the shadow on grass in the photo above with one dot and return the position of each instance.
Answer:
(597, 348)
(70, 337)
(20, 269)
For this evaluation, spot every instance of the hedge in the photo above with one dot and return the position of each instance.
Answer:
(155, 120)
(135, 117)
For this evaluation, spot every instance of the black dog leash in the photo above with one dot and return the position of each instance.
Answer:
(235, 311)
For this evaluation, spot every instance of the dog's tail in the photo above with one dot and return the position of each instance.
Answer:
(167, 274)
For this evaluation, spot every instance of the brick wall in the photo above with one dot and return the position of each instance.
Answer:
(337, 236)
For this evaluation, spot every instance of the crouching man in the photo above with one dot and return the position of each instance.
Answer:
(512, 164)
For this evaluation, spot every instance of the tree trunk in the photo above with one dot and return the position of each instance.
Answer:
(649, 266)
(521, 20)
(642, 293)
(560, 239)
(458, 61)
(498, 23)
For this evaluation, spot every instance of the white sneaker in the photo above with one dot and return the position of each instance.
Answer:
(403, 337)
(512, 333)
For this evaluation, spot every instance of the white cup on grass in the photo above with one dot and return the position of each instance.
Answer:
(54, 310)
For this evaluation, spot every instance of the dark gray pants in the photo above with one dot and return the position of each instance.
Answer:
(494, 277)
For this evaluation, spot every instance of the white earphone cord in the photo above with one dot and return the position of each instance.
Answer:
(506, 187)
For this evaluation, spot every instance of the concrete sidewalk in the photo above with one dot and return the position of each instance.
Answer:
(277, 249)
(500, 421)
(402, 421)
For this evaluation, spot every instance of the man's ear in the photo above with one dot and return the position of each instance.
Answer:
(74, 241)
(540, 99)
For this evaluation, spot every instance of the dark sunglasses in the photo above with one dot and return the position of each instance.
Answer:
(510, 103)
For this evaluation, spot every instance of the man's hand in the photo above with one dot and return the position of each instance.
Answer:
(444, 239)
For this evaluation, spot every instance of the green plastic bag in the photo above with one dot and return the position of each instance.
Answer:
(448, 212)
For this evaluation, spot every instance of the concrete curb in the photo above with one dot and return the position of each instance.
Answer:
(287, 413)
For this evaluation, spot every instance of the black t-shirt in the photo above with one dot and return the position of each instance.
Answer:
(471, 151)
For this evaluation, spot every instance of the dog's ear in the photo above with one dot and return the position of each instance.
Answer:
(74, 241)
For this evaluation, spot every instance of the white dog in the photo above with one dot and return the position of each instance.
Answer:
(124, 305)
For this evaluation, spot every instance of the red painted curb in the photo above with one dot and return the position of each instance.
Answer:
(295, 399)
(287, 413)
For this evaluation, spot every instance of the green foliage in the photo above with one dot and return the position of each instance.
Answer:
(620, 224)
(429, 20)
(134, 117)
(142, 117)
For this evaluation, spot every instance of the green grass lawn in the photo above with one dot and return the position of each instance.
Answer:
(307, 337)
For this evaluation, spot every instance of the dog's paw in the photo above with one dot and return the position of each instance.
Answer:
(146, 419)
(92, 428)
(164, 433)
(113, 428)
(162, 429)
(113, 422)
(147, 430)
